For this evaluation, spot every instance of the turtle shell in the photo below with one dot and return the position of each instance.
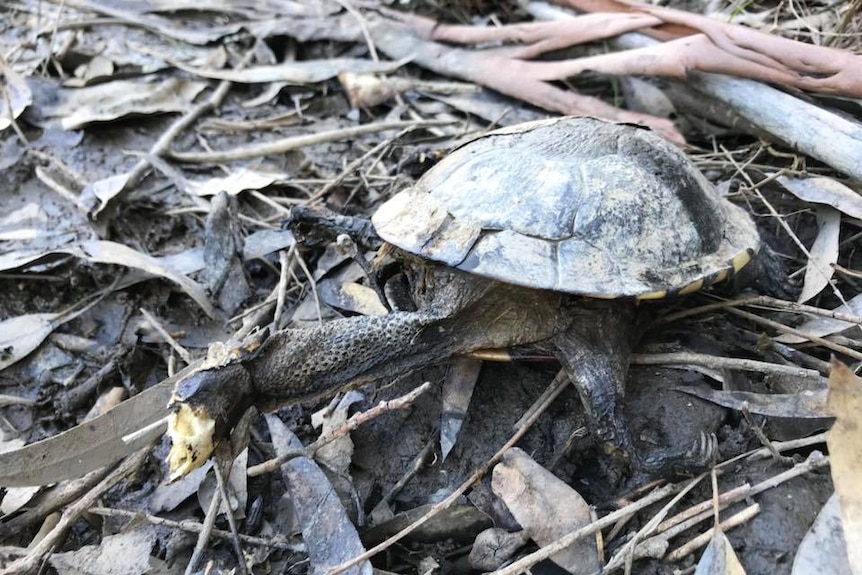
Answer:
(573, 204)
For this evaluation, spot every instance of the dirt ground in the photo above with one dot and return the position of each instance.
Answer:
(123, 259)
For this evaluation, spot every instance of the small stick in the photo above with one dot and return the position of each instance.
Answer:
(312, 283)
(703, 538)
(786, 329)
(626, 554)
(758, 431)
(181, 351)
(354, 165)
(277, 542)
(717, 362)
(340, 431)
(231, 520)
(524, 563)
(418, 463)
(283, 145)
(204, 534)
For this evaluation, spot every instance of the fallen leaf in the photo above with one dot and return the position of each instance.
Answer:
(494, 547)
(337, 455)
(824, 252)
(17, 497)
(461, 377)
(72, 108)
(92, 444)
(237, 484)
(15, 95)
(237, 181)
(823, 190)
(822, 326)
(330, 538)
(802, 405)
(547, 508)
(122, 554)
(718, 558)
(106, 188)
(845, 455)
(20, 335)
(823, 551)
(106, 252)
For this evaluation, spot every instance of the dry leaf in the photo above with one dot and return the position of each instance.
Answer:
(123, 554)
(106, 188)
(237, 181)
(823, 190)
(801, 405)
(822, 326)
(823, 551)
(14, 92)
(546, 508)
(461, 378)
(237, 484)
(337, 455)
(72, 108)
(105, 252)
(93, 444)
(718, 558)
(495, 546)
(845, 455)
(824, 252)
(21, 335)
(330, 538)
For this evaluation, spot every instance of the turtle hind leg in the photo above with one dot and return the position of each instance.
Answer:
(595, 351)
(697, 457)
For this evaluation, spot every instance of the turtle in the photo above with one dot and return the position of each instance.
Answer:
(551, 233)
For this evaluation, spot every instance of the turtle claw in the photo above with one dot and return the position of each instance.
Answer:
(696, 458)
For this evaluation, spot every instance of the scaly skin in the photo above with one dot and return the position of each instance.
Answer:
(458, 313)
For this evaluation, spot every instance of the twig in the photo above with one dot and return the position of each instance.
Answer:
(786, 329)
(340, 431)
(416, 467)
(284, 258)
(310, 279)
(354, 165)
(162, 145)
(231, 520)
(296, 142)
(363, 25)
(204, 533)
(554, 389)
(764, 441)
(278, 542)
(51, 500)
(625, 555)
(169, 339)
(703, 538)
(717, 362)
(528, 561)
(762, 302)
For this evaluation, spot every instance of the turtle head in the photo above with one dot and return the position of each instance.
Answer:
(205, 406)
(192, 432)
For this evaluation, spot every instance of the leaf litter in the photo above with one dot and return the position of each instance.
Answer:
(114, 169)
